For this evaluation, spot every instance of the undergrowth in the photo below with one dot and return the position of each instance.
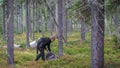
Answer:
(75, 54)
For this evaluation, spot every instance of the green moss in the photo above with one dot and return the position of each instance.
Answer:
(76, 54)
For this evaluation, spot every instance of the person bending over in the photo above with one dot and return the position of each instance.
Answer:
(42, 44)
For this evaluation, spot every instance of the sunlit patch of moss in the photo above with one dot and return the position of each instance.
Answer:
(22, 56)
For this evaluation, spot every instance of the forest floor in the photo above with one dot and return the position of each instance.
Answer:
(75, 54)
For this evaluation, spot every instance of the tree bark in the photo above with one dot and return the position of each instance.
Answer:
(10, 40)
(83, 25)
(37, 17)
(59, 19)
(42, 24)
(4, 19)
(29, 19)
(17, 19)
(27, 23)
(21, 17)
(33, 20)
(64, 22)
(115, 19)
(83, 30)
(97, 39)
(69, 26)
(51, 20)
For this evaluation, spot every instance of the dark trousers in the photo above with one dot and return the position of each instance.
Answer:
(41, 54)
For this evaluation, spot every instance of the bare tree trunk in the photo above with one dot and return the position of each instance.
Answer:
(34, 15)
(21, 17)
(4, 19)
(69, 26)
(45, 20)
(30, 29)
(10, 40)
(17, 19)
(18, 9)
(50, 17)
(108, 24)
(97, 39)
(27, 23)
(33, 20)
(83, 30)
(37, 18)
(59, 19)
(42, 26)
(51, 25)
(83, 25)
(117, 29)
(110, 28)
(115, 19)
(64, 22)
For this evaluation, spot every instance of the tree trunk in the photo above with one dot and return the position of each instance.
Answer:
(108, 24)
(115, 19)
(21, 17)
(33, 20)
(51, 20)
(83, 27)
(42, 26)
(97, 39)
(27, 23)
(51, 25)
(69, 26)
(37, 18)
(17, 19)
(30, 29)
(4, 19)
(64, 22)
(59, 19)
(83, 30)
(10, 40)
(111, 23)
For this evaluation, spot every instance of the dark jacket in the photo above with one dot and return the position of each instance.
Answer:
(43, 43)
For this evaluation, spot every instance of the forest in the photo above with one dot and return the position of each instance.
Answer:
(87, 33)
